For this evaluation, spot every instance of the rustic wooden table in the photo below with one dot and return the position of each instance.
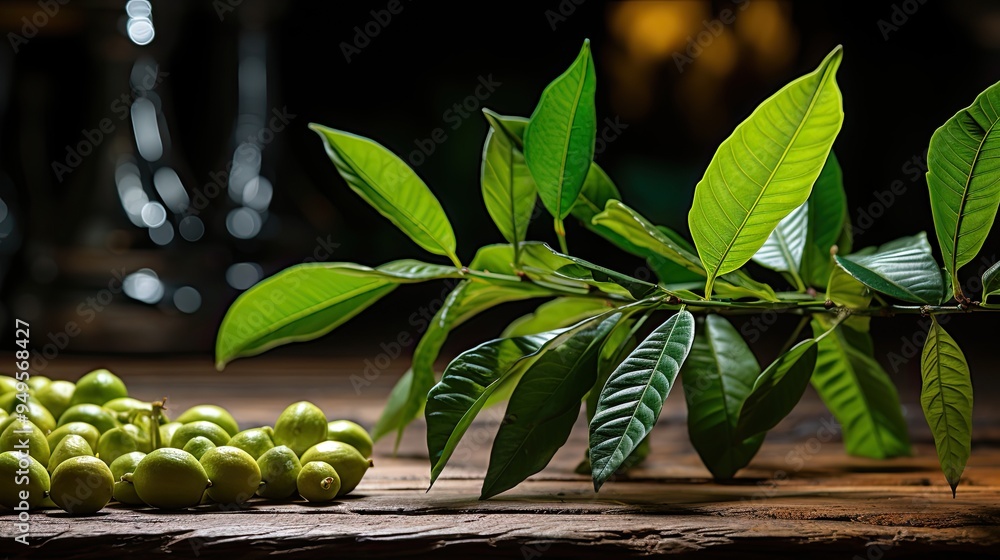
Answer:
(801, 495)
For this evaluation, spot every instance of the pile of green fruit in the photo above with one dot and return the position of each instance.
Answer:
(106, 445)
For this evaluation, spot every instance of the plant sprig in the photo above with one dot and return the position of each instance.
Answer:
(772, 194)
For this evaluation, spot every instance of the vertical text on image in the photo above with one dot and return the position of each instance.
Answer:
(22, 476)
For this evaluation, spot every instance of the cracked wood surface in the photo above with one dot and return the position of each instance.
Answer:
(801, 495)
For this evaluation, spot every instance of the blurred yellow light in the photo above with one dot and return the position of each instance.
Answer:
(766, 28)
(654, 30)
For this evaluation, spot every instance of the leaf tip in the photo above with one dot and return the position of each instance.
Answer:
(953, 483)
(835, 56)
(487, 492)
(399, 439)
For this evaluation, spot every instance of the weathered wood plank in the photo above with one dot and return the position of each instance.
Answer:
(800, 496)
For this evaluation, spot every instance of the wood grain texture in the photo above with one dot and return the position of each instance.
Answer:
(800, 496)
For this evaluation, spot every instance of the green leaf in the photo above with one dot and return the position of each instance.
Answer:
(717, 378)
(991, 282)
(555, 314)
(777, 390)
(657, 243)
(559, 140)
(508, 189)
(513, 126)
(963, 175)
(634, 459)
(904, 269)
(765, 169)
(552, 315)
(617, 346)
(468, 299)
(300, 303)
(545, 265)
(842, 289)
(650, 239)
(846, 240)
(544, 407)
(385, 181)
(466, 385)
(859, 393)
(739, 284)
(946, 397)
(598, 189)
(631, 400)
(670, 274)
(828, 223)
(405, 271)
(783, 249)
(392, 418)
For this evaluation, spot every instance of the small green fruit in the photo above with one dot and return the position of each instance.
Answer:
(82, 485)
(352, 434)
(56, 396)
(82, 429)
(32, 409)
(198, 445)
(301, 426)
(167, 432)
(211, 413)
(69, 447)
(348, 462)
(255, 441)
(95, 415)
(114, 443)
(32, 478)
(24, 431)
(234, 474)
(38, 382)
(98, 387)
(318, 482)
(7, 384)
(125, 491)
(169, 478)
(187, 432)
(279, 469)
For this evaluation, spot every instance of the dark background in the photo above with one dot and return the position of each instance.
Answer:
(65, 240)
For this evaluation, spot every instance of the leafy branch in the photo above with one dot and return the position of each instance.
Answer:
(772, 194)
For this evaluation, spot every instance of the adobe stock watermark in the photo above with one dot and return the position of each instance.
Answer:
(534, 549)
(796, 459)
(898, 16)
(30, 26)
(914, 169)
(702, 40)
(121, 108)
(365, 33)
(86, 312)
(609, 132)
(225, 7)
(758, 324)
(562, 12)
(420, 320)
(455, 116)
(202, 197)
